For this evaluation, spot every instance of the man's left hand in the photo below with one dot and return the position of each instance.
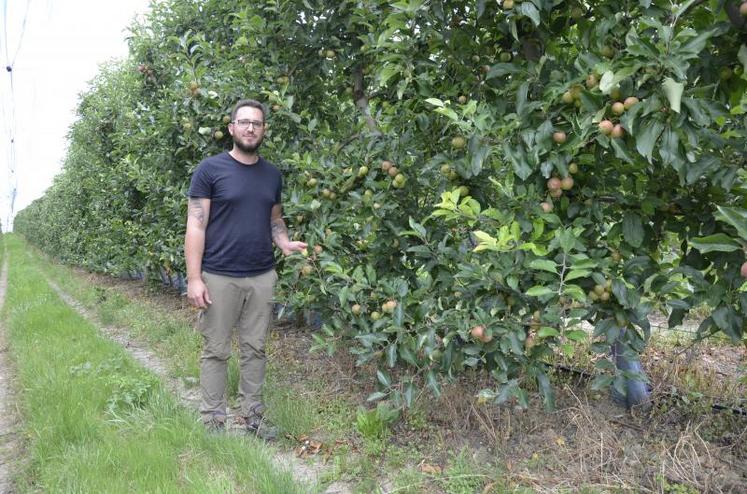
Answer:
(293, 246)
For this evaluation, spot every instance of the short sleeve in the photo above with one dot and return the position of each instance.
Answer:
(279, 191)
(200, 186)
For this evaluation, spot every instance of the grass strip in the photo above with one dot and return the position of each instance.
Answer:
(97, 422)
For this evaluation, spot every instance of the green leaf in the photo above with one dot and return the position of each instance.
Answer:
(633, 229)
(529, 10)
(742, 56)
(501, 69)
(518, 161)
(601, 382)
(736, 217)
(391, 355)
(682, 8)
(577, 273)
(432, 382)
(546, 332)
(546, 390)
(609, 79)
(435, 102)
(544, 265)
(539, 291)
(729, 322)
(577, 335)
(621, 150)
(673, 90)
(719, 242)
(670, 149)
(448, 113)
(376, 396)
(417, 228)
(384, 378)
(646, 138)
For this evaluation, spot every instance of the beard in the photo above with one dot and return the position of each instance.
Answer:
(248, 148)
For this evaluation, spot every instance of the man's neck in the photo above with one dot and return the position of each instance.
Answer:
(243, 157)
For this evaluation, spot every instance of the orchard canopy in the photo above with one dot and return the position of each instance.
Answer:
(477, 177)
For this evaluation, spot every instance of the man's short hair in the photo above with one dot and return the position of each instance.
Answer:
(248, 102)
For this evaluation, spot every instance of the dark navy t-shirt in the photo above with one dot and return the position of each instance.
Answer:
(238, 239)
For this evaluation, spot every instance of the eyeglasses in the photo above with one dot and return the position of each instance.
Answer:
(245, 124)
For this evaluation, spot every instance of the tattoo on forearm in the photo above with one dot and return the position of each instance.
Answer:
(278, 228)
(195, 210)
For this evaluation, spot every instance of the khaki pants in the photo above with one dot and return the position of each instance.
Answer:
(244, 304)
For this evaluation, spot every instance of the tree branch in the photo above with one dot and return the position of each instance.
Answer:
(361, 100)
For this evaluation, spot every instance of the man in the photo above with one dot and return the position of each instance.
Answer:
(234, 216)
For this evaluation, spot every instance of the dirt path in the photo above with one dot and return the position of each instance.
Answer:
(308, 472)
(10, 444)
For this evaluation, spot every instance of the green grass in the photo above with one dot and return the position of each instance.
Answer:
(94, 421)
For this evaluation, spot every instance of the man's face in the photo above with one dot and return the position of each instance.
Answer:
(248, 129)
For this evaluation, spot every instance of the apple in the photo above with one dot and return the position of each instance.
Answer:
(329, 54)
(743, 9)
(566, 183)
(363, 171)
(386, 165)
(618, 108)
(630, 101)
(554, 183)
(508, 4)
(556, 193)
(605, 127)
(458, 142)
(462, 99)
(617, 131)
(307, 269)
(592, 81)
(573, 168)
(393, 171)
(567, 97)
(445, 169)
(312, 182)
(505, 56)
(356, 309)
(218, 135)
(559, 137)
(478, 333)
(546, 206)
(743, 270)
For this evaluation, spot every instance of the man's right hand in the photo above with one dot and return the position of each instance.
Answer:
(197, 294)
